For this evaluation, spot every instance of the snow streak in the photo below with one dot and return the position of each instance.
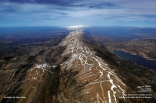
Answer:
(103, 84)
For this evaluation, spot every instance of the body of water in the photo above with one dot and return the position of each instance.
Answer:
(136, 58)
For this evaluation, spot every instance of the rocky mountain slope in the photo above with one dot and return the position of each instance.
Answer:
(76, 70)
(96, 81)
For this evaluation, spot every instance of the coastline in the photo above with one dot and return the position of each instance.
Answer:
(133, 53)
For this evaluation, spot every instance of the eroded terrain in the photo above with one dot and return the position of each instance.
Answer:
(28, 71)
(100, 83)
(70, 69)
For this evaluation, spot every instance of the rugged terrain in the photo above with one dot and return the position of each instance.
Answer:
(70, 69)
(95, 80)
(144, 46)
(28, 69)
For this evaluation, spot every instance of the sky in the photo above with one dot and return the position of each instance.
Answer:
(138, 13)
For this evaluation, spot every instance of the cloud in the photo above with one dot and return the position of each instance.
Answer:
(86, 11)
(28, 9)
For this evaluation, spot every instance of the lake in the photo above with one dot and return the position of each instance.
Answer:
(137, 58)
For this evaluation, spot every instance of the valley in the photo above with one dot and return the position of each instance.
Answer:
(71, 67)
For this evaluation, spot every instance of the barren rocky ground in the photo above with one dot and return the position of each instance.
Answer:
(70, 69)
